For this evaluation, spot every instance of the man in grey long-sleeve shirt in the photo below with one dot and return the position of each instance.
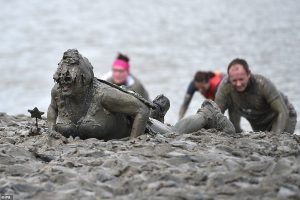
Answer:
(255, 98)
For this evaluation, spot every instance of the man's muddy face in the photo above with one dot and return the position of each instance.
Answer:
(68, 80)
(119, 74)
(239, 77)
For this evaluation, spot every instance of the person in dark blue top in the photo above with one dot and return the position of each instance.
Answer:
(204, 82)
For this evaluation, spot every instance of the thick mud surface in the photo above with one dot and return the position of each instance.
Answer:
(203, 165)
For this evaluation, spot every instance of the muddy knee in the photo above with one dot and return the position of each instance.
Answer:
(215, 119)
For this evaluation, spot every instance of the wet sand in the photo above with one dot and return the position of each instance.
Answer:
(203, 165)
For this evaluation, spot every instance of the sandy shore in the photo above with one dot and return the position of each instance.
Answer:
(202, 165)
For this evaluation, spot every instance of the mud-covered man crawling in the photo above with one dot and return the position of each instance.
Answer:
(84, 106)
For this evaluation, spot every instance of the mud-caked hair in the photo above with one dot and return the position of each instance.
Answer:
(72, 58)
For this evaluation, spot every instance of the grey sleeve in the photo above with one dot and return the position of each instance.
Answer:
(281, 121)
(276, 101)
(139, 88)
(269, 91)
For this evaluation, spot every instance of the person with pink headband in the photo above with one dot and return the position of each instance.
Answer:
(120, 75)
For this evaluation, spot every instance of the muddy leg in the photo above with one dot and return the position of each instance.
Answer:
(191, 123)
(208, 116)
(215, 119)
(291, 125)
(156, 127)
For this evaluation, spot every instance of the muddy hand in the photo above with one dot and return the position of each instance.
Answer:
(54, 134)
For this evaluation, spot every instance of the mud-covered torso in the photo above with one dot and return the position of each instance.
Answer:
(253, 103)
(89, 118)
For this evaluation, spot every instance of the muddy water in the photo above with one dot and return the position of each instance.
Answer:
(167, 42)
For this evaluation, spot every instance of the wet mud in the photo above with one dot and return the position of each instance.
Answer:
(207, 164)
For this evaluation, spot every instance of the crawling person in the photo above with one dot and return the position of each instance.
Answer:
(83, 106)
(255, 98)
(205, 82)
(120, 75)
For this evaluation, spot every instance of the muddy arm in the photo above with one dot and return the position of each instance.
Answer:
(273, 97)
(120, 102)
(52, 111)
(280, 123)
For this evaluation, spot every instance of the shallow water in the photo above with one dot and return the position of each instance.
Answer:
(167, 42)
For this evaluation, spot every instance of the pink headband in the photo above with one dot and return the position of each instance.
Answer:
(121, 63)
